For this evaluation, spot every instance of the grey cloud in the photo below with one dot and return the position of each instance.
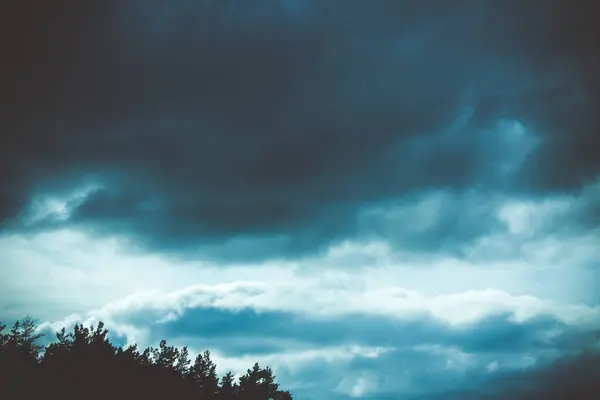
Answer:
(275, 123)
(234, 331)
(574, 376)
(433, 220)
(408, 369)
(420, 357)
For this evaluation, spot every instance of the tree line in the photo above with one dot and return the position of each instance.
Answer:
(84, 364)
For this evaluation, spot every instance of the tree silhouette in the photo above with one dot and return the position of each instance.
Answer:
(229, 389)
(25, 339)
(19, 357)
(203, 374)
(258, 383)
(84, 364)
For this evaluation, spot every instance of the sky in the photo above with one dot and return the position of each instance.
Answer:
(378, 199)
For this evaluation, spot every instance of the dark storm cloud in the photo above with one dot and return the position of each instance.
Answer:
(260, 121)
(569, 377)
(574, 376)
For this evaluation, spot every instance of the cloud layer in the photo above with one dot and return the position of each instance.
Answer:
(273, 124)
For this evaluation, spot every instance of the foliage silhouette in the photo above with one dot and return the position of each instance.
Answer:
(84, 364)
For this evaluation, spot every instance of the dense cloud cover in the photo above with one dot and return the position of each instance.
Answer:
(436, 147)
(268, 121)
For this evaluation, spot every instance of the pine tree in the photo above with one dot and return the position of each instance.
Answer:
(24, 338)
(229, 388)
(203, 374)
(258, 384)
(83, 363)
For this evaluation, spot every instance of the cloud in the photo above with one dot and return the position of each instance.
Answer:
(362, 349)
(271, 127)
(436, 242)
(572, 376)
(363, 318)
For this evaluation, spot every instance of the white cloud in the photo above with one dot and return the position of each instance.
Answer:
(493, 366)
(319, 301)
(525, 218)
(45, 207)
(357, 386)
(69, 270)
(454, 357)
